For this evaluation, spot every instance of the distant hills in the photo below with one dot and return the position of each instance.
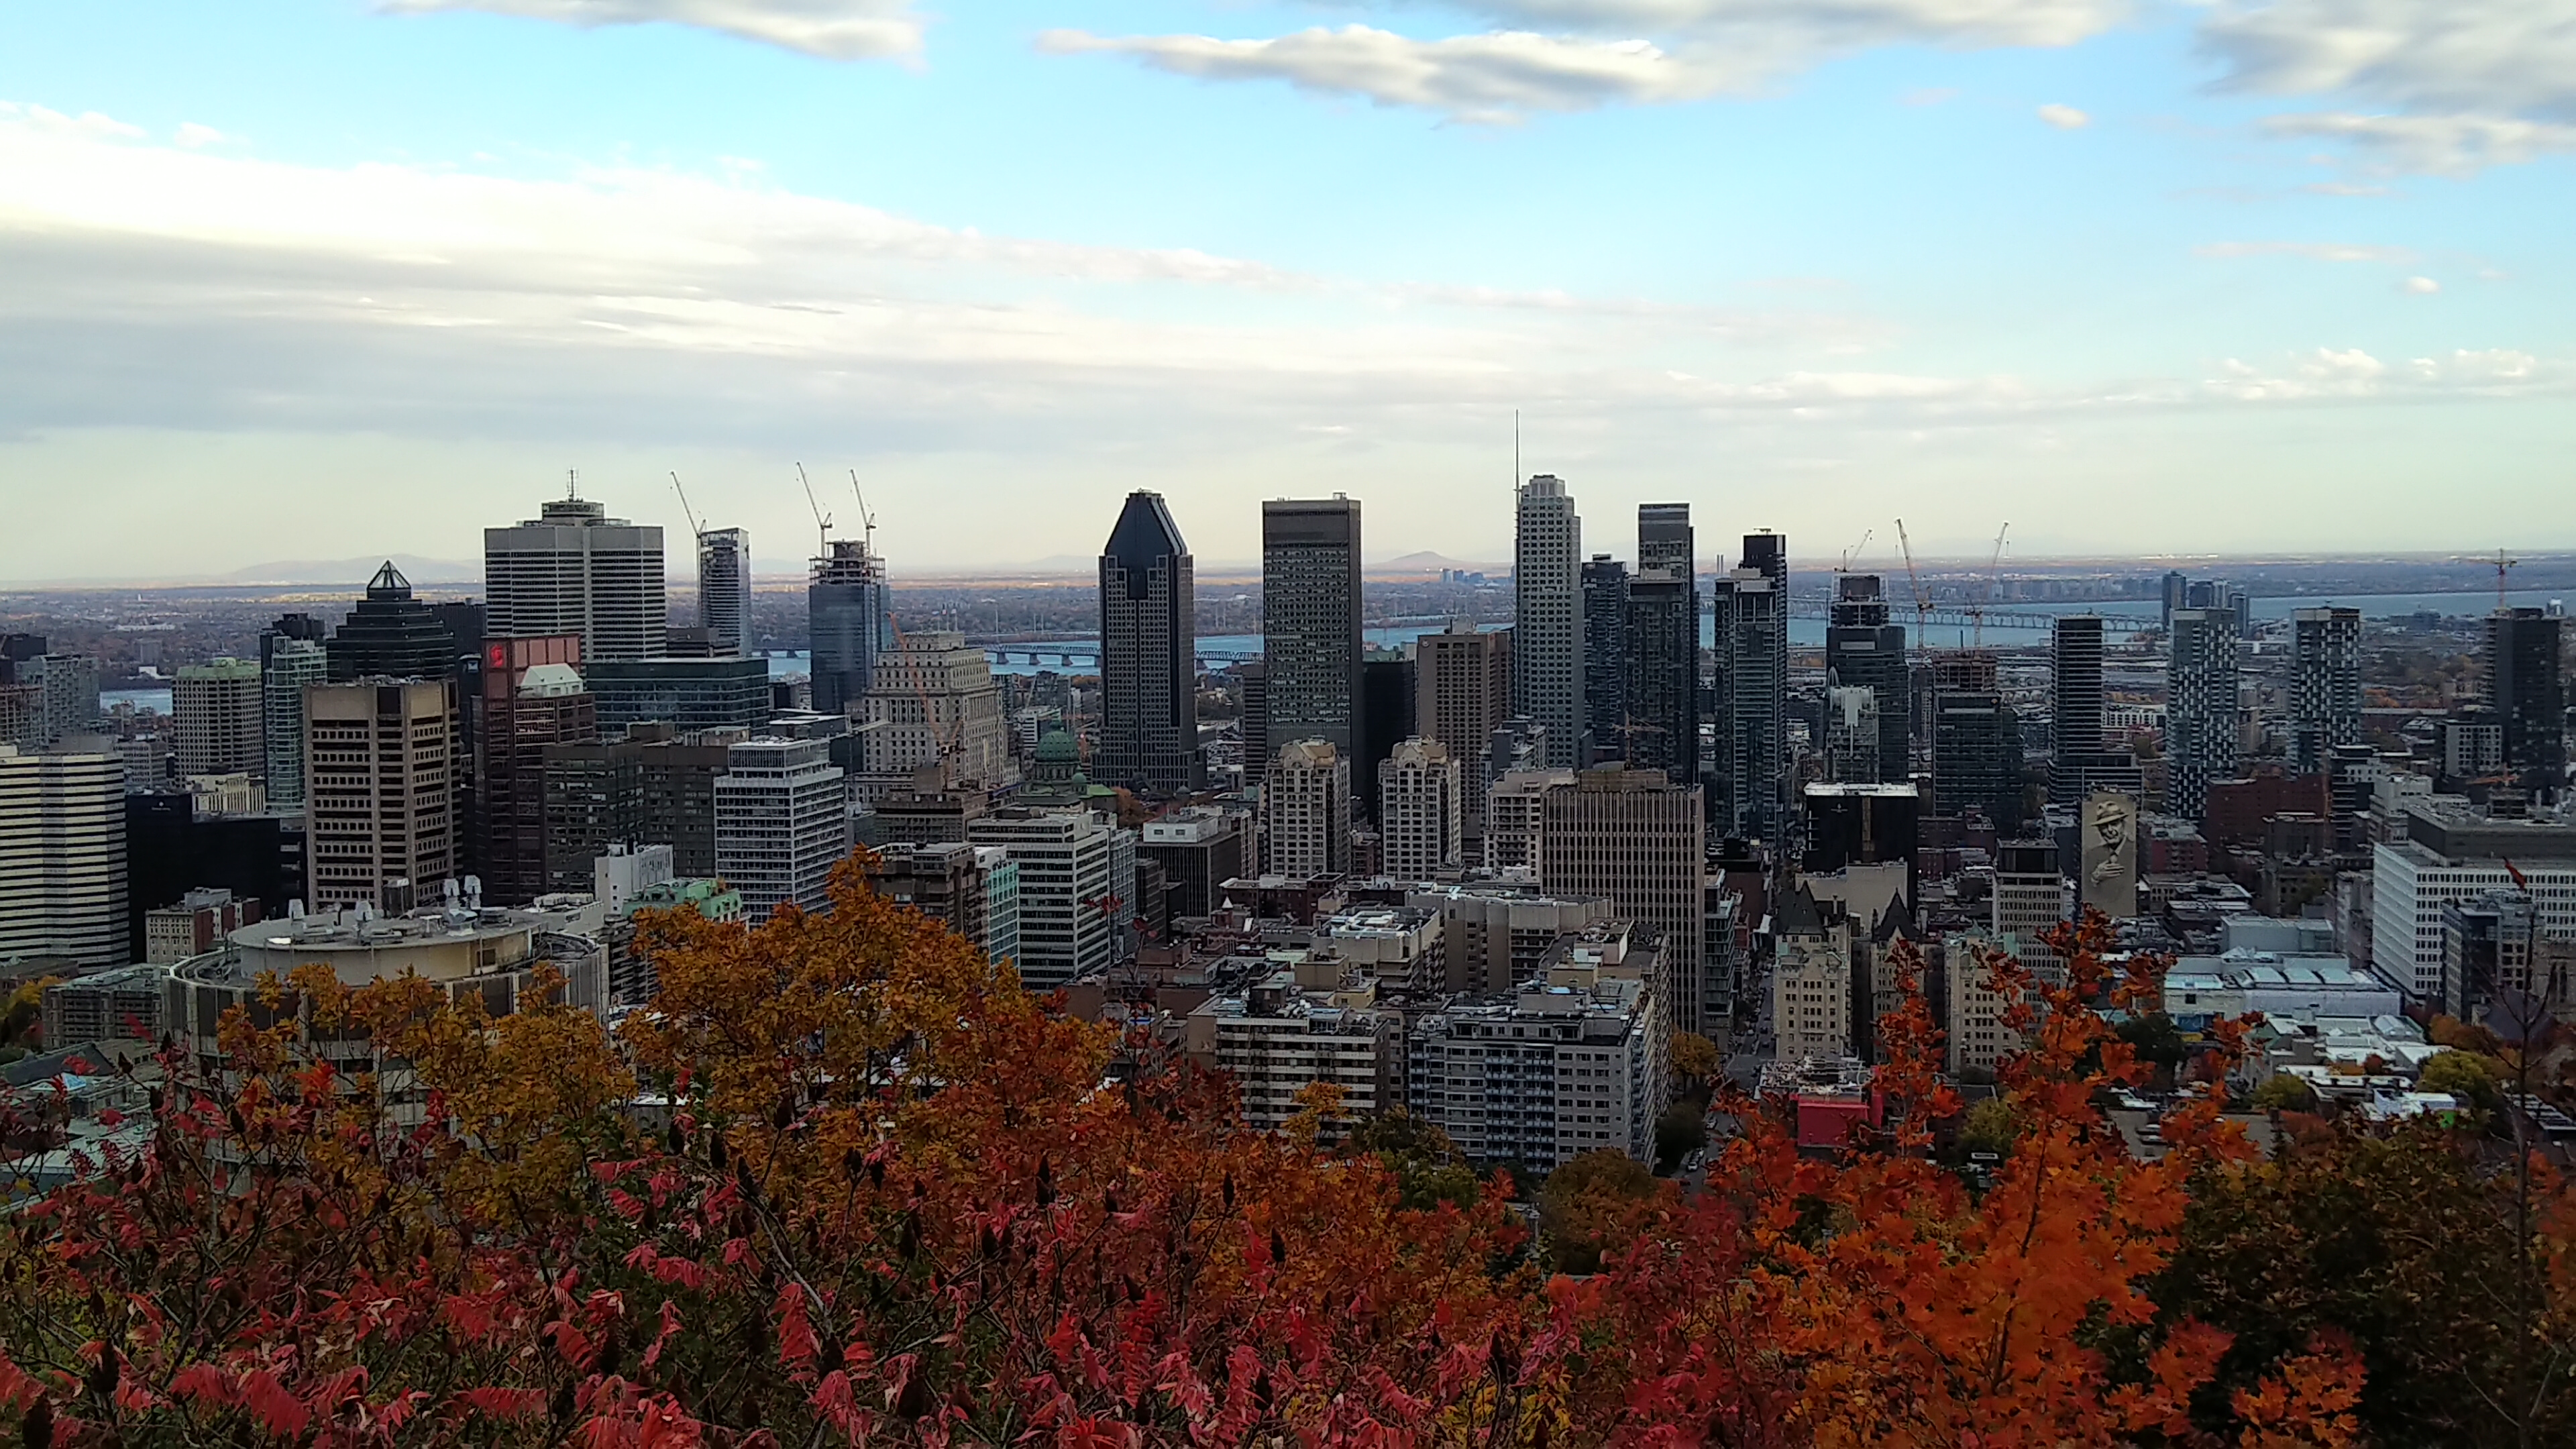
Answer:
(356, 571)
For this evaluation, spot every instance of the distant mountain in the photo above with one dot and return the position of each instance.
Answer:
(1427, 562)
(357, 571)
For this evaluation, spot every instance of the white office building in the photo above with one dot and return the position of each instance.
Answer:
(1576, 1060)
(1072, 905)
(2447, 852)
(62, 857)
(574, 570)
(1547, 617)
(782, 823)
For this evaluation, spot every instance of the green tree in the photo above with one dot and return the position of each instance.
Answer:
(1429, 1169)
(2469, 1076)
(1682, 1129)
(2283, 1092)
(1695, 1058)
(2154, 1037)
(1592, 1206)
(1989, 1128)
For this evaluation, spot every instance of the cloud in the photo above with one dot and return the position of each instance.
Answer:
(2317, 251)
(2328, 375)
(2421, 286)
(2461, 56)
(1472, 77)
(2465, 84)
(192, 135)
(2444, 145)
(2065, 118)
(1572, 55)
(831, 29)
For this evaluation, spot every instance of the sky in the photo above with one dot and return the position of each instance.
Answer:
(317, 279)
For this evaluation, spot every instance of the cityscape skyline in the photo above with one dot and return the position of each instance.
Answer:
(1943, 263)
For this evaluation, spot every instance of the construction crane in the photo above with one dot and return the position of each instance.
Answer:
(696, 529)
(1922, 600)
(867, 515)
(1986, 595)
(2501, 565)
(822, 520)
(1853, 552)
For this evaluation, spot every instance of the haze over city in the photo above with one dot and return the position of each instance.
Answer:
(2156, 277)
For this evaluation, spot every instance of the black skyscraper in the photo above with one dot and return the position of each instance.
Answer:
(391, 633)
(1310, 624)
(2528, 696)
(1663, 645)
(2076, 688)
(1863, 649)
(1605, 656)
(1149, 717)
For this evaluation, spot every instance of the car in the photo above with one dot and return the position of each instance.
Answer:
(2151, 1133)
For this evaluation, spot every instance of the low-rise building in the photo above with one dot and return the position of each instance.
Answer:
(121, 1004)
(1279, 1036)
(1577, 1060)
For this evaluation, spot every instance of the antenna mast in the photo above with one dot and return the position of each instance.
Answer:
(822, 520)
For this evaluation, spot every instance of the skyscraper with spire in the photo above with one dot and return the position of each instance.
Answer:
(1547, 616)
(1149, 719)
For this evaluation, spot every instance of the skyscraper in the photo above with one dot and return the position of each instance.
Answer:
(1605, 657)
(1753, 619)
(2076, 691)
(533, 698)
(2325, 685)
(574, 570)
(724, 588)
(1547, 616)
(394, 635)
(2201, 720)
(1308, 805)
(1310, 620)
(938, 671)
(217, 714)
(1462, 694)
(379, 760)
(1418, 810)
(1863, 650)
(848, 623)
(1149, 715)
(1388, 695)
(1640, 841)
(1976, 742)
(782, 823)
(1663, 645)
(2528, 696)
(2175, 592)
(288, 665)
(63, 876)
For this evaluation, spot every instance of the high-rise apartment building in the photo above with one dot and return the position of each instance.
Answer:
(1976, 742)
(1864, 650)
(1547, 617)
(392, 635)
(1072, 900)
(1639, 841)
(63, 879)
(1462, 679)
(1752, 609)
(1605, 657)
(219, 718)
(1662, 674)
(782, 818)
(1310, 621)
(2325, 685)
(2528, 696)
(934, 702)
(379, 757)
(45, 698)
(2076, 693)
(574, 570)
(287, 667)
(533, 700)
(724, 589)
(2201, 713)
(1307, 809)
(1419, 810)
(1149, 717)
(848, 622)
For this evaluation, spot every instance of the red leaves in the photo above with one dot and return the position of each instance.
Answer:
(504, 1404)
(273, 1406)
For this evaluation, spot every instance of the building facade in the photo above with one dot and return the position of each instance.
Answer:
(724, 589)
(934, 702)
(219, 718)
(63, 876)
(1576, 1060)
(1662, 673)
(1462, 678)
(574, 570)
(2325, 686)
(1149, 717)
(1605, 658)
(2202, 717)
(291, 666)
(686, 694)
(1865, 650)
(847, 622)
(1310, 621)
(380, 819)
(1547, 618)
(782, 821)
(1307, 810)
(1420, 811)
(1638, 841)
(1072, 906)
(1753, 755)
(2527, 695)
(392, 635)
(533, 699)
